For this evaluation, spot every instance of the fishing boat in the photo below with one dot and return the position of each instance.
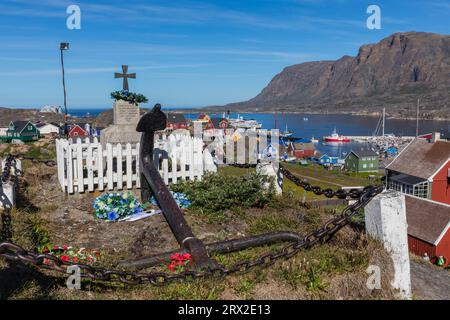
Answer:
(335, 137)
(314, 140)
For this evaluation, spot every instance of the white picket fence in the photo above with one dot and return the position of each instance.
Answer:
(87, 166)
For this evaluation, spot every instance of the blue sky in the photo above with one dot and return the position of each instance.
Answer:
(186, 53)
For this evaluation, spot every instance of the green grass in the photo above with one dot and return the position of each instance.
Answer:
(331, 178)
(268, 223)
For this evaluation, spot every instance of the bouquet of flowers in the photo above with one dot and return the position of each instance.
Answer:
(179, 262)
(129, 96)
(113, 206)
(72, 254)
(180, 198)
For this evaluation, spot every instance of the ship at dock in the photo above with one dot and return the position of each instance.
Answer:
(241, 123)
(335, 137)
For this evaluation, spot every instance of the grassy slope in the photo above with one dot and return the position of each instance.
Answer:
(332, 271)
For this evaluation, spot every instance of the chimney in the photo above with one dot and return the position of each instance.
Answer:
(436, 137)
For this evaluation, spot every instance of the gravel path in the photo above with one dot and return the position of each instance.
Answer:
(430, 283)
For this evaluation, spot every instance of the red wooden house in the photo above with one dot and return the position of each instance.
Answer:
(176, 121)
(428, 228)
(217, 124)
(422, 169)
(76, 131)
(301, 150)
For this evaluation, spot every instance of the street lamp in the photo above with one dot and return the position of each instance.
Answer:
(64, 46)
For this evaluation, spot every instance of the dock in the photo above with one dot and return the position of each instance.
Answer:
(379, 138)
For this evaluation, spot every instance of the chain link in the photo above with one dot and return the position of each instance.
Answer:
(8, 168)
(14, 252)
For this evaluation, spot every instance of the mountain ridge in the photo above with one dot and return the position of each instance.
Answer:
(392, 73)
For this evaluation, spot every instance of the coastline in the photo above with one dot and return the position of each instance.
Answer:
(371, 114)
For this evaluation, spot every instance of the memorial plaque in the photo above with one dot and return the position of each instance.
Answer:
(126, 113)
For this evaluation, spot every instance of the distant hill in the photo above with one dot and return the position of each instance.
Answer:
(393, 73)
(11, 114)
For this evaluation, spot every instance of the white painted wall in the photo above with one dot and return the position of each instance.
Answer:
(385, 218)
(49, 129)
(3, 131)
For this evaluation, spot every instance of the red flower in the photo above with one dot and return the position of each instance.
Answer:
(186, 256)
(55, 248)
(65, 248)
(64, 258)
(45, 250)
(179, 261)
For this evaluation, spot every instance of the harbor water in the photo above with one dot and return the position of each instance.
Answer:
(320, 125)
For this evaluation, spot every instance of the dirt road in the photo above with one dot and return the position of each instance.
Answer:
(429, 283)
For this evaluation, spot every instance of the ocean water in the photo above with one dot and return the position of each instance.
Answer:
(85, 112)
(318, 126)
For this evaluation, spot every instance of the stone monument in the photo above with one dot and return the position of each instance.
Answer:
(126, 116)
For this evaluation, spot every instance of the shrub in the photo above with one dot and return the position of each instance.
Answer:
(219, 192)
(129, 96)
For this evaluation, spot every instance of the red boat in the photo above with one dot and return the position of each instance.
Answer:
(335, 137)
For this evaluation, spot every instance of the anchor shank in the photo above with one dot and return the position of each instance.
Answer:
(152, 182)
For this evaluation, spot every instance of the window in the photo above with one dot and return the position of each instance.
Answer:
(364, 166)
(75, 133)
(30, 128)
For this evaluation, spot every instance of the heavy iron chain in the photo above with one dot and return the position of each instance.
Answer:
(14, 252)
(6, 170)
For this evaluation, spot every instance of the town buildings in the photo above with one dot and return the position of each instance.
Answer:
(364, 160)
(49, 128)
(22, 130)
(422, 169)
(176, 121)
(301, 150)
(428, 228)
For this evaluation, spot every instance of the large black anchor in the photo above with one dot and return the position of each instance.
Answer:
(153, 184)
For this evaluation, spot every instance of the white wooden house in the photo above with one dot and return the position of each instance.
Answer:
(48, 128)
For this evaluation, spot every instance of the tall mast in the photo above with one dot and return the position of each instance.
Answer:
(417, 118)
(384, 120)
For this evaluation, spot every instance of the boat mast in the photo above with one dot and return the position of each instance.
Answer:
(417, 118)
(384, 119)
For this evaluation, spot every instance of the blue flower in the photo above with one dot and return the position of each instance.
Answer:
(112, 216)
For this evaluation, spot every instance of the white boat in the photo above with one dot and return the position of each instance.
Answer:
(240, 122)
(314, 140)
(286, 133)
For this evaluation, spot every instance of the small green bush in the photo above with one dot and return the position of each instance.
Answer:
(219, 192)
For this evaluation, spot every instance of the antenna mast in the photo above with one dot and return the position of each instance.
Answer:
(417, 118)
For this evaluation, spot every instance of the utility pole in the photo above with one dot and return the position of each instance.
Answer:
(417, 117)
(64, 46)
(384, 119)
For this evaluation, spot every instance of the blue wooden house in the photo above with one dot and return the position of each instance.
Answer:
(391, 151)
(327, 160)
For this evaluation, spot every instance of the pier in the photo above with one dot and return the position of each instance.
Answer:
(386, 138)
